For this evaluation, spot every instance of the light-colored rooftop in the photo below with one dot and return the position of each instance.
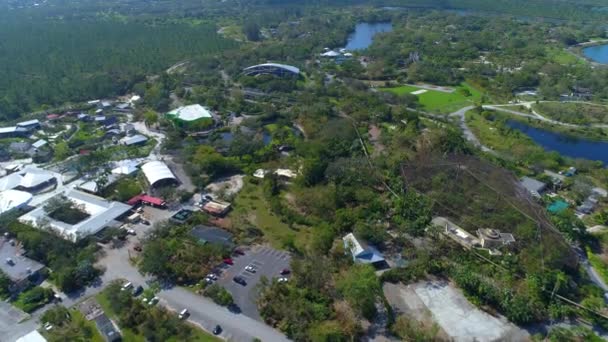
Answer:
(102, 214)
(191, 113)
(136, 139)
(285, 67)
(156, 171)
(12, 199)
(33, 336)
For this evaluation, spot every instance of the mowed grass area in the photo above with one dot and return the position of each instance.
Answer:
(438, 101)
(251, 209)
(563, 57)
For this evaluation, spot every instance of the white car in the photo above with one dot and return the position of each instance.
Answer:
(282, 280)
(48, 326)
(127, 286)
(183, 314)
(153, 300)
(208, 280)
(250, 269)
(212, 276)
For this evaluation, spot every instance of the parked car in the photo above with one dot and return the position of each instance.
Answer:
(217, 330)
(128, 285)
(212, 276)
(183, 314)
(131, 232)
(138, 290)
(137, 248)
(250, 269)
(239, 252)
(153, 300)
(239, 280)
(48, 326)
(282, 280)
(228, 261)
(285, 271)
(145, 222)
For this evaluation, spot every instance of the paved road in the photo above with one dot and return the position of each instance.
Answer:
(535, 115)
(205, 313)
(468, 134)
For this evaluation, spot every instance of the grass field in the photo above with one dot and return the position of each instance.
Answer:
(250, 208)
(441, 102)
(562, 56)
(573, 112)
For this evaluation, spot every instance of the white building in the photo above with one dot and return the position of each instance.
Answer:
(13, 200)
(102, 213)
(33, 336)
(158, 173)
(190, 113)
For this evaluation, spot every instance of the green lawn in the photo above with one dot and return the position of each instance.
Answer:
(438, 101)
(250, 208)
(562, 56)
(598, 264)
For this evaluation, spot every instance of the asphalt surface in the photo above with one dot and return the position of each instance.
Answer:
(267, 261)
(206, 314)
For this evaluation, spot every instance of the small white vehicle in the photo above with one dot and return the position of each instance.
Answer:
(183, 314)
(250, 269)
(127, 286)
(282, 280)
(153, 300)
(48, 326)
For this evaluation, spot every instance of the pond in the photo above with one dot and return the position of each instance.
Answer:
(227, 137)
(364, 34)
(563, 144)
(598, 53)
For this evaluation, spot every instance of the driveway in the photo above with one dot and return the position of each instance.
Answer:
(10, 328)
(205, 313)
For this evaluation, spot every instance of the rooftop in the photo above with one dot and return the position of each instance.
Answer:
(102, 214)
(212, 235)
(362, 253)
(532, 185)
(285, 67)
(136, 139)
(156, 171)
(13, 199)
(191, 113)
(21, 267)
(33, 336)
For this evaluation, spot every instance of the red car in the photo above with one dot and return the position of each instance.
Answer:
(228, 261)
(285, 271)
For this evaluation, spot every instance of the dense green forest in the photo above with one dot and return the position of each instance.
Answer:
(53, 61)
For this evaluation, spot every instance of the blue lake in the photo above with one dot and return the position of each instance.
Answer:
(565, 145)
(364, 34)
(598, 53)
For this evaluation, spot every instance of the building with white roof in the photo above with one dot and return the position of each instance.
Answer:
(125, 167)
(360, 252)
(190, 113)
(30, 179)
(30, 124)
(133, 140)
(102, 213)
(12, 132)
(33, 336)
(158, 173)
(38, 144)
(271, 69)
(13, 200)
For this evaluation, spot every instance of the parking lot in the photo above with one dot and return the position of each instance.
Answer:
(267, 262)
(10, 328)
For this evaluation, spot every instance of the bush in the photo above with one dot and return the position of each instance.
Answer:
(219, 295)
(34, 298)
